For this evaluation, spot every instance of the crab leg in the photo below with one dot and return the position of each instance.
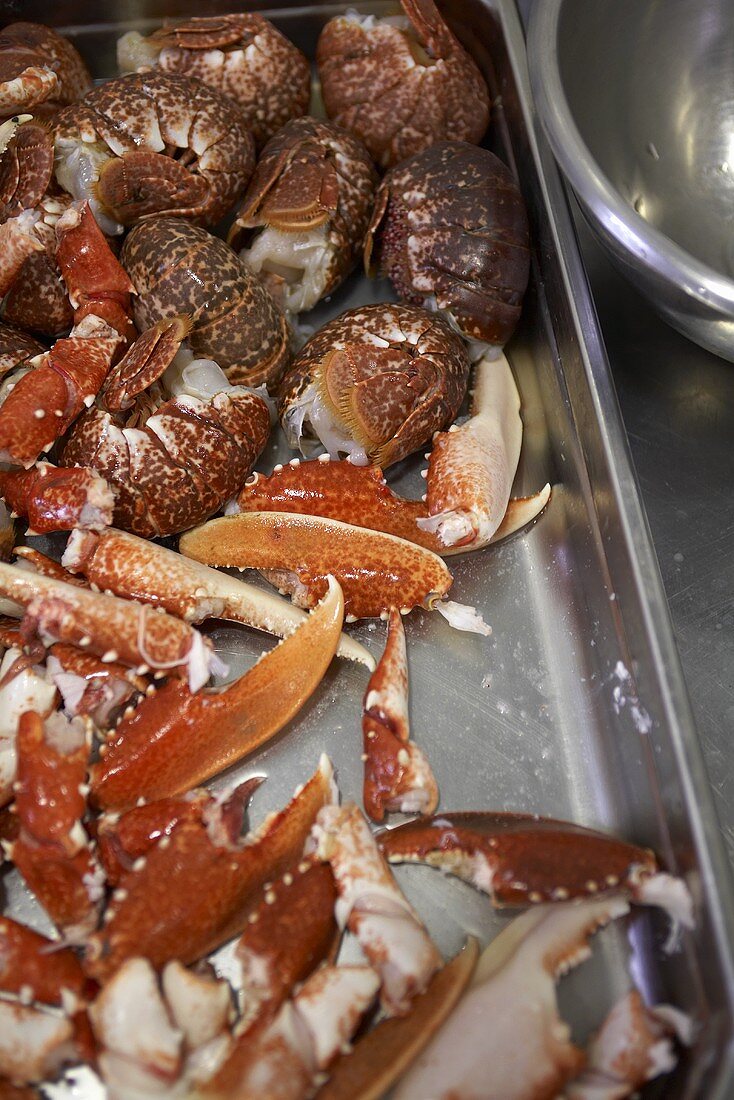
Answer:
(193, 891)
(54, 499)
(376, 571)
(52, 851)
(397, 775)
(360, 495)
(520, 858)
(373, 908)
(113, 629)
(36, 562)
(138, 569)
(176, 739)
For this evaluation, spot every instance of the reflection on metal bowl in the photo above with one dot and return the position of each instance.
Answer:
(637, 100)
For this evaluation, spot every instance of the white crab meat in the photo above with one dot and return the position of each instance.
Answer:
(200, 1006)
(34, 1043)
(28, 690)
(294, 266)
(311, 428)
(77, 165)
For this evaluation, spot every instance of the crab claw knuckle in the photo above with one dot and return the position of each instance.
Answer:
(54, 499)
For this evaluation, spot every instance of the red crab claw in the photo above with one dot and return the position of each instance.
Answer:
(381, 1056)
(397, 775)
(113, 629)
(520, 858)
(54, 499)
(96, 282)
(193, 891)
(360, 495)
(52, 851)
(139, 569)
(372, 906)
(44, 402)
(176, 740)
(376, 571)
(527, 1053)
(121, 840)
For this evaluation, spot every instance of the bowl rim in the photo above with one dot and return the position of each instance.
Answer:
(620, 220)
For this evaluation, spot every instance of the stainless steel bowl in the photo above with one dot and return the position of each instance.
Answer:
(637, 100)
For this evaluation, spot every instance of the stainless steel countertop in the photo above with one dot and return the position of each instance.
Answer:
(678, 407)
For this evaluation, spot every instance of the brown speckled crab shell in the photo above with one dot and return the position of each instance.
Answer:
(38, 66)
(450, 224)
(246, 58)
(400, 88)
(177, 146)
(38, 300)
(311, 174)
(393, 373)
(26, 166)
(16, 348)
(179, 268)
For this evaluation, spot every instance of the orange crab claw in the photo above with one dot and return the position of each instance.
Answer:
(54, 499)
(176, 740)
(193, 891)
(47, 567)
(397, 775)
(52, 850)
(376, 571)
(97, 283)
(360, 495)
(113, 629)
(519, 858)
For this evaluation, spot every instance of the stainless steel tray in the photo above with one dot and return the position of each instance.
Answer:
(575, 706)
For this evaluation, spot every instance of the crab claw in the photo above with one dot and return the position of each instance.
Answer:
(472, 467)
(138, 569)
(526, 1054)
(175, 740)
(376, 571)
(337, 489)
(52, 851)
(54, 499)
(113, 629)
(193, 890)
(29, 961)
(397, 775)
(520, 858)
(372, 907)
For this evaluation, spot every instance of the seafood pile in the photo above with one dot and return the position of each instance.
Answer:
(149, 356)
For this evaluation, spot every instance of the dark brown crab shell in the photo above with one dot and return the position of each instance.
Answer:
(16, 348)
(312, 174)
(392, 373)
(31, 56)
(179, 268)
(246, 58)
(398, 90)
(450, 224)
(176, 147)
